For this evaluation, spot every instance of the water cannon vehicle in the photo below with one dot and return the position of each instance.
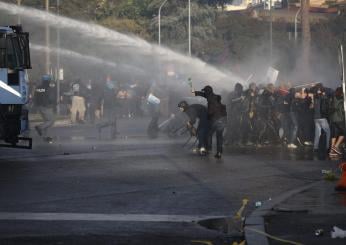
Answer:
(14, 63)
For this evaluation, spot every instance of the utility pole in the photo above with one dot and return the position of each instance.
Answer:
(160, 21)
(47, 41)
(58, 60)
(271, 32)
(190, 28)
(19, 3)
(306, 36)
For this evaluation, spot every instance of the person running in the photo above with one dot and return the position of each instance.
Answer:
(44, 100)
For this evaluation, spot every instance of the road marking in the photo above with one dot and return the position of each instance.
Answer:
(103, 217)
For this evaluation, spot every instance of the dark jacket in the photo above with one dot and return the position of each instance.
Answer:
(266, 104)
(321, 107)
(110, 98)
(44, 95)
(197, 111)
(337, 112)
(214, 104)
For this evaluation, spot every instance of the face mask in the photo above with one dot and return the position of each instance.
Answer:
(181, 109)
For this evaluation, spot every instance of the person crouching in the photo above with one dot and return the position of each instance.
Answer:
(194, 112)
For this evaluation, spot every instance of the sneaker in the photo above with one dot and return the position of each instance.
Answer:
(202, 151)
(195, 150)
(333, 154)
(307, 143)
(38, 130)
(48, 140)
(218, 155)
(336, 150)
(292, 146)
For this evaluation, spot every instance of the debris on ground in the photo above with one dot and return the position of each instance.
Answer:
(338, 233)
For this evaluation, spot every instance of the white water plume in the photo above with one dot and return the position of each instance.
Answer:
(85, 58)
(194, 67)
(73, 54)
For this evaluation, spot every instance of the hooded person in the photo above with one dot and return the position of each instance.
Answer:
(217, 117)
(197, 112)
(44, 100)
(235, 108)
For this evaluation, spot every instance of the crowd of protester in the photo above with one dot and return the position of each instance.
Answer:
(311, 116)
(301, 116)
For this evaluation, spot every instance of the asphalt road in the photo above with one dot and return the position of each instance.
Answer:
(83, 190)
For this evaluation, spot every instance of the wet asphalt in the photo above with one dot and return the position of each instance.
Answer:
(134, 177)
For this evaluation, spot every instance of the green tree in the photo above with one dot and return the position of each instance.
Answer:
(174, 24)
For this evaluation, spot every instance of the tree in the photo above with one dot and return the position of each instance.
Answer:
(174, 24)
(215, 3)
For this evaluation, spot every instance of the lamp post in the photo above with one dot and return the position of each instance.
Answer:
(164, 2)
(19, 3)
(296, 25)
(58, 60)
(47, 41)
(271, 32)
(190, 28)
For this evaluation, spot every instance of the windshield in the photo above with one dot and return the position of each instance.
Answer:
(14, 51)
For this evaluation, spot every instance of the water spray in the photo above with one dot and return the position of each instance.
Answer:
(106, 36)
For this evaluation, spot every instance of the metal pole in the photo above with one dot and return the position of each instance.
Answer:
(160, 21)
(190, 28)
(19, 3)
(47, 41)
(296, 25)
(271, 32)
(343, 80)
(58, 60)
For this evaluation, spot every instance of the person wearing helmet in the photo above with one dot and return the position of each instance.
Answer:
(197, 112)
(44, 100)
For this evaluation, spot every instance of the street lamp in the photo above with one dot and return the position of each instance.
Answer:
(58, 60)
(295, 25)
(19, 3)
(190, 28)
(47, 40)
(164, 2)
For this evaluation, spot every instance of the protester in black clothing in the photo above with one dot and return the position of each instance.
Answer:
(293, 104)
(249, 114)
(212, 99)
(266, 118)
(109, 104)
(337, 120)
(305, 118)
(235, 112)
(217, 116)
(92, 98)
(194, 112)
(45, 101)
(283, 109)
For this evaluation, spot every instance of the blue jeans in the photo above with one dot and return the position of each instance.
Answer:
(293, 128)
(321, 124)
(217, 126)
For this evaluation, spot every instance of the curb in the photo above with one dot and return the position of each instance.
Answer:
(256, 220)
